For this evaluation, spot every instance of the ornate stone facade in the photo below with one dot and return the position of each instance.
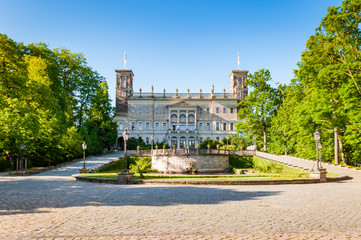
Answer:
(177, 118)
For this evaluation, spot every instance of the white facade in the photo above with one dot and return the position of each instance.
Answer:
(177, 118)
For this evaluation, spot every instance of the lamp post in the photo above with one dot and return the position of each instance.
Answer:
(84, 148)
(317, 137)
(125, 138)
(22, 146)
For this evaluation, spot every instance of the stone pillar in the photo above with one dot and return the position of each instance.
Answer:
(321, 175)
(125, 177)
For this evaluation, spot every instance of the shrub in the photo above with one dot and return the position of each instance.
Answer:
(240, 162)
(141, 165)
(266, 166)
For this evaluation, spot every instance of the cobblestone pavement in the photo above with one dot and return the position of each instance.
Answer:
(52, 206)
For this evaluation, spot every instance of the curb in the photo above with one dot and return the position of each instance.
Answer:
(209, 182)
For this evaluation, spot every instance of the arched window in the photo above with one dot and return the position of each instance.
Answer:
(182, 142)
(173, 122)
(191, 125)
(164, 126)
(140, 126)
(182, 122)
(124, 82)
(156, 126)
(191, 142)
(120, 126)
(200, 126)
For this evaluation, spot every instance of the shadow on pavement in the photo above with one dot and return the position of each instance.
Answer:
(33, 194)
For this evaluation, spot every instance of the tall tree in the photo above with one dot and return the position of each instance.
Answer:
(330, 71)
(259, 106)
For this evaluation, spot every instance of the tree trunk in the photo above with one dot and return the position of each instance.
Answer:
(336, 145)
(264, 140)
(344, 161)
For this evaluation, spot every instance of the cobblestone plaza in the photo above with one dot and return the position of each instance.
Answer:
(53, 206)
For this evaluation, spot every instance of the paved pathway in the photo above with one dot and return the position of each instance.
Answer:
(52, 206)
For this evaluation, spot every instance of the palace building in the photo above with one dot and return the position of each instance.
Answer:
(177, 118)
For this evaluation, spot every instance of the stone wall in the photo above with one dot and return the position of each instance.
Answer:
(179, 164)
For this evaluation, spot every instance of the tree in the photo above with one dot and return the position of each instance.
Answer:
(259, 106)
(46, 97)
(330, 73)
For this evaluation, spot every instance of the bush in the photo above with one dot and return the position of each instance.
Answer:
(141, 165)
(240, 162)
(266, 166)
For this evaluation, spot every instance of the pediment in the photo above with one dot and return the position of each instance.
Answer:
(182, 105)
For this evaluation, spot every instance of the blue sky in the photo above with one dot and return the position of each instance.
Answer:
(171, 44)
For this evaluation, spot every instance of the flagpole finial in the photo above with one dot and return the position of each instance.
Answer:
(239, 61)
(125, 60)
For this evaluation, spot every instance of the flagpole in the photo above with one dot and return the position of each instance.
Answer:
(125, 60)
(239, 62)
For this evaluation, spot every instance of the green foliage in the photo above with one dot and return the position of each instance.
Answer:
(240, 162)
(258, 107)
(51, 101)
(141, 165)
(267, 166)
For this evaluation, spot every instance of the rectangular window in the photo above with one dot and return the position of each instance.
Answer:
(224, 110)
(164, 110)
(133, 126)
(164, 126)
(208, 127)
(147, 110)
(231, 127)
(231, 110)
(140, 126)
(200, 126)
(200, 110)
(156, 127)
(217, 109)
(225, 126)
(120, 126)
(157, 110)
(140, 109)
(217, 126)
(207, 110)
(147, 126)
(133, 109)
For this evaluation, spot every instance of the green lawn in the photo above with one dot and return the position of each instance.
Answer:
(266, 170)
(151, 176)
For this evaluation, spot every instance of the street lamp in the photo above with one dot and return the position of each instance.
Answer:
(22, 146)
(317, 137)
(84, 148)
(125, 138)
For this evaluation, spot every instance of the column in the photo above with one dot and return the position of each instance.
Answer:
(177, 120)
